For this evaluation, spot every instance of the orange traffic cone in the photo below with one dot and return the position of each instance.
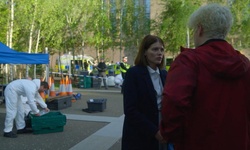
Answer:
(62, 88)
(69, 88)
(49, 82)
(66, 84)
(67, 80)
(52, 91)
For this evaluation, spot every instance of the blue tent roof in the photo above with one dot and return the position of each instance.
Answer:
(10, 56)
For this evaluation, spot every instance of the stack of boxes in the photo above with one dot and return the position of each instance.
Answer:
(85, 82)
(81, 82)
(97, 82)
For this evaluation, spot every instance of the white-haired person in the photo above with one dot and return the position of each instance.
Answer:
(206, 100)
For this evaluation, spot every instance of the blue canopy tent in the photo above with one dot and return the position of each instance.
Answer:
(10, 56)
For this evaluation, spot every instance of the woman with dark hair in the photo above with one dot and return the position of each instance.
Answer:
(143, 87)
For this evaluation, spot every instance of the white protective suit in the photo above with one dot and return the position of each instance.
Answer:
(118, 80)
(26, 106)
(14, 104)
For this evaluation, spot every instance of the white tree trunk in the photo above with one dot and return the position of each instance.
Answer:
(31, 37)
(11, 22)
(37, 44)
(11, 35)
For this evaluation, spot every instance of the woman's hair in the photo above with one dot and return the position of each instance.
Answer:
(147, 41)
(215, 19)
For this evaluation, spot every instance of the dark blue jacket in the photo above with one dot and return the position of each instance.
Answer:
(141, 121)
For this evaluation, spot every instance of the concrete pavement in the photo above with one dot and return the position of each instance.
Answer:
(83, 131)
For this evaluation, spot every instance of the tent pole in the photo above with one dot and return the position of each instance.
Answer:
(6, 73)
(47, 67)
(11, 72)
(27, 71)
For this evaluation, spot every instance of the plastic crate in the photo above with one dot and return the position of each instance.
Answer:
(81, 79)
(81, 86)
(84, 73)
(48, 123)
(97, 82)
(60, 102)
(96, 104)
(85, 82)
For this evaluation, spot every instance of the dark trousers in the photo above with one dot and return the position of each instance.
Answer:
(104, 78)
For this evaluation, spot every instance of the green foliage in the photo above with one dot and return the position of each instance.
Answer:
(172, 23)
(99, 26)
(134, 20)
(240, 32)
(4, 11)
(64, 25)
(39, 70)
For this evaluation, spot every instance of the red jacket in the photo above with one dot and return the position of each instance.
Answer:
(206, 103)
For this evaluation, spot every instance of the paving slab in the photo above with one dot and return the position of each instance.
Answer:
(81, 130)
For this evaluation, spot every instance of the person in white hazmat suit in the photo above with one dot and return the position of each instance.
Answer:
(14, 104)
(118, 80)
(26, 106)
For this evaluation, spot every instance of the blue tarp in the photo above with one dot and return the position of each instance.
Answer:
(10, 56)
